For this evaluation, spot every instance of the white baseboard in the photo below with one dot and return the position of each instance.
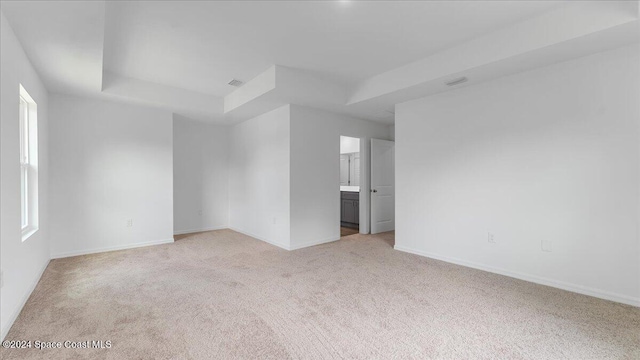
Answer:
(110, 248)
(314, 243)
(191, 231)
(624, 299)
(280, 245)
(23, 301)
(289, 247)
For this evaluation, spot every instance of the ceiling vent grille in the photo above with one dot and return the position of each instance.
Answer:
(235, 82)
(457, 81)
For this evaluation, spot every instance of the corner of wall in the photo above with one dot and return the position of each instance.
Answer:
(23, 262)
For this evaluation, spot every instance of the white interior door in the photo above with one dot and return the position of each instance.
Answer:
(382, 186)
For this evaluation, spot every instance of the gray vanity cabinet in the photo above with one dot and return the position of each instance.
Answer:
(350, 208)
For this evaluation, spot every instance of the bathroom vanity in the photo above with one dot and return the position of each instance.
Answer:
(350, 207)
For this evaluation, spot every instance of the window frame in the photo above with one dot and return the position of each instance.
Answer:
(28, 142)
(24, 163)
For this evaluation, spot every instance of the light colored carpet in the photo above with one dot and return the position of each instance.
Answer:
(225, 295)
(345, 231)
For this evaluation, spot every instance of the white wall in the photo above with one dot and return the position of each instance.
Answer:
(110, 162)
(315, 172)
(349, 145)
(22, 263)
(546, 155)
(259, 177)
(200, 176)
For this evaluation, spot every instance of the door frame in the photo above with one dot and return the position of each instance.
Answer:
(365, 185)
(391, 143)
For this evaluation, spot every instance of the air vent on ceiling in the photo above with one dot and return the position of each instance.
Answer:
(235, 82)
(456, 81)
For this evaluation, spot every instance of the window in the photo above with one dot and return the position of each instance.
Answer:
(28, 164)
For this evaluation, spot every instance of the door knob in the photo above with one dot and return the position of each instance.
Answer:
(374, 190)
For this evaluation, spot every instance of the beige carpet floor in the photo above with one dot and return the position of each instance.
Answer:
(223, 295)
(345, 231)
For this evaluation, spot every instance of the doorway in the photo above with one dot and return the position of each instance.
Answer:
(350, 181)
(382, 186)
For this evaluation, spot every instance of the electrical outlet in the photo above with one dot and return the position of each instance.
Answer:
(200, 212)
(274, 220)
(490, 238)
(547, 245)
(129, 222)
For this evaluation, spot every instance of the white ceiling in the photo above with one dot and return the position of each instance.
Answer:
(63, 40)
(366, 55)
(200, 46)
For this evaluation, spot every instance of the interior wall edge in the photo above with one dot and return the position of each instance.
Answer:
(23, 301)
(110, 248)
(191, 231)
(598, 293)
(275, 243)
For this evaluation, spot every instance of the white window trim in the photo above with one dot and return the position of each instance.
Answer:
(24, 163)
(28, 165)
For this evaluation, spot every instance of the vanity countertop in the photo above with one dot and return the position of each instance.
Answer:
(350, 188)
